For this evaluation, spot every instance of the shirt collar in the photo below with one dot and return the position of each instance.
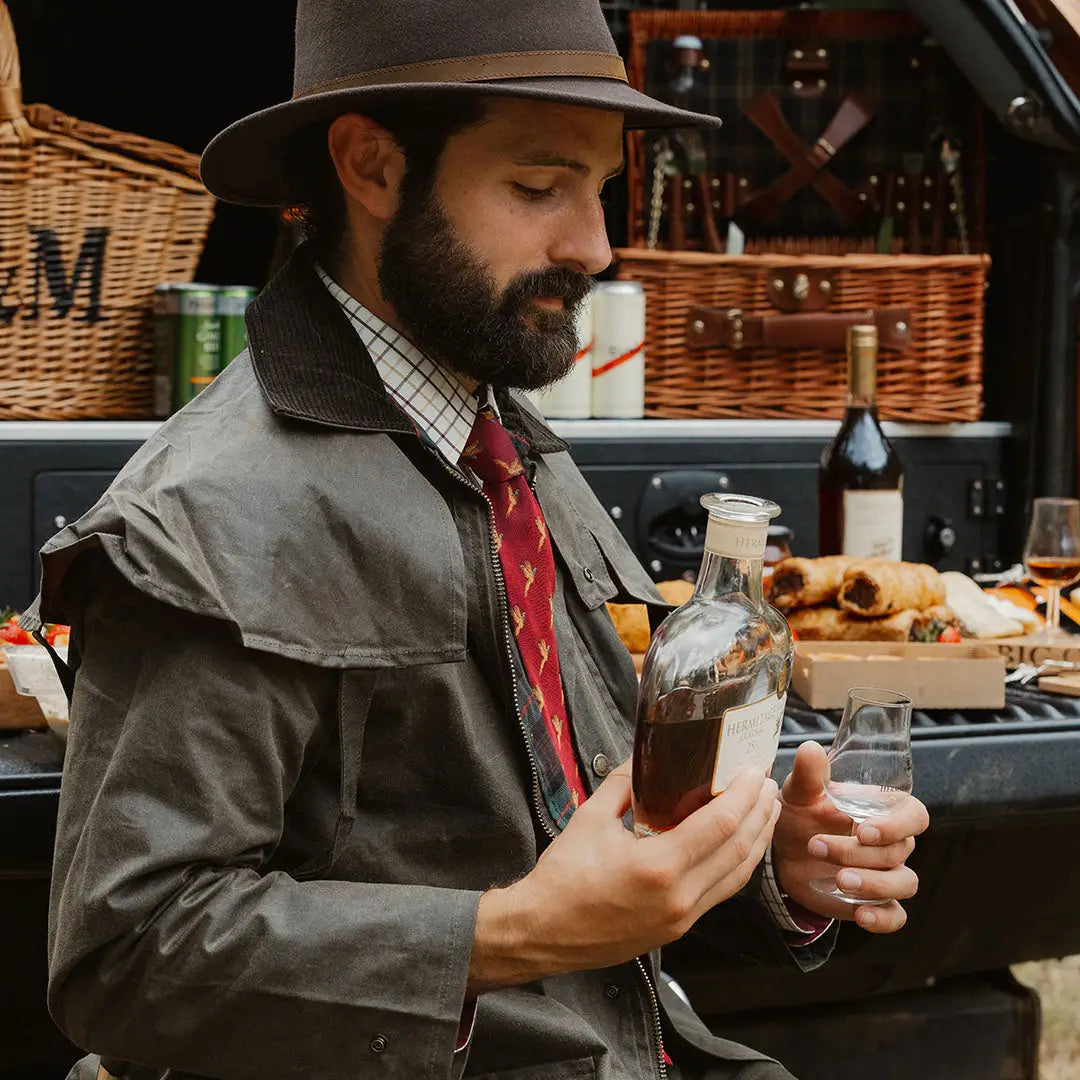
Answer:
(433, 396)
(312, 367)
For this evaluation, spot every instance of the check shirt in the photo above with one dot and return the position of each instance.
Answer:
(444, 410)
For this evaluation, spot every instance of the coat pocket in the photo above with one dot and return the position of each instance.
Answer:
(600, 562)
(356, 689)
(578, 1069)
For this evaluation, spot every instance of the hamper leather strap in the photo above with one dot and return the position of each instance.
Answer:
(731, 329)
(808, 164)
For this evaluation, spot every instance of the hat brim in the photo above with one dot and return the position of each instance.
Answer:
(245, 163)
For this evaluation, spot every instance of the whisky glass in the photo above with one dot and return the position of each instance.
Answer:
(870, 773)
(1052, 555)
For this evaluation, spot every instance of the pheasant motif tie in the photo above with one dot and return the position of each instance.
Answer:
(529, 572)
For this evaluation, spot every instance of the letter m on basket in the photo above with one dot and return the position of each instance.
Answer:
(51, 273)
(51, 276)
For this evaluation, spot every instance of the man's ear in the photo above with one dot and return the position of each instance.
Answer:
(369, 163)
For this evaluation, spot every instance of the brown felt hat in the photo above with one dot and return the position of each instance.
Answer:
(352, 54)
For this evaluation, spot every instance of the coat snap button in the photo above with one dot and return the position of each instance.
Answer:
(378, 1044)
(600, 765)
(588, 574)
(613, 991)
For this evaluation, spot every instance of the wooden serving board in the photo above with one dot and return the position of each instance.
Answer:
(1061, 684)
(1030, 650)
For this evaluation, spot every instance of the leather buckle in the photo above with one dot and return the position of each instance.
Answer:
(808, 69)
(795, 289)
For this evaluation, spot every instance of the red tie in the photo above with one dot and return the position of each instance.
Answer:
(529, 571)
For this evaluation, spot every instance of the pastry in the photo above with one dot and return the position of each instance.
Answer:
(632, 620)
(873, 589)
(808, 582)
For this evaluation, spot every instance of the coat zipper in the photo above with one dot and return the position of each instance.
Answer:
(657, 1028)
(503, 607)
(504, 610)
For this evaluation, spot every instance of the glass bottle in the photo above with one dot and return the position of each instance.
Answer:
(861, 480)
(714, 681)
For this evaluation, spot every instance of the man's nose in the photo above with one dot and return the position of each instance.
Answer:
(582, 242)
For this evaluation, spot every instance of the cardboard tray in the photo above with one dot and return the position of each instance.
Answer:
(17, 711)
(934, 676)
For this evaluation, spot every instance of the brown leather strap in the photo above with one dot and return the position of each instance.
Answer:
(708, 217)
(732, 329)
(808, 165)
(464, 69)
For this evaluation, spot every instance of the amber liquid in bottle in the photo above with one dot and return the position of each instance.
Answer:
(861, 479)
(714, 681)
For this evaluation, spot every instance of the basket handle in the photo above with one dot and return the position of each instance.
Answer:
(11, 109)
(731, 329)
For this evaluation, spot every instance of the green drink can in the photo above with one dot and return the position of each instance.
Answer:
(198, 342)
(166, 300)
(232, 303)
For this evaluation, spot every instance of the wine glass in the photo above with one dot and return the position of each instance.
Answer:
(1052, 554)
(869, 766)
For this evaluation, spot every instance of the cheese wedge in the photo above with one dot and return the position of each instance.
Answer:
(973, 609)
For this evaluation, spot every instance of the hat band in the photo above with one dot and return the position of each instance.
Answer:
(466, 69)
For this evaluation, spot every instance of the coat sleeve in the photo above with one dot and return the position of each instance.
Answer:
(170, 942)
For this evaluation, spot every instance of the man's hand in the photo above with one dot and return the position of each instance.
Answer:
(813, 840)
(598, 896)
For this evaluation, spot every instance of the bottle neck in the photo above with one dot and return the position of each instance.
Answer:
(733, 560)
(862, 378)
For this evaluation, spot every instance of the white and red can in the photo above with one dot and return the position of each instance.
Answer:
(618, 366)
(571, 397)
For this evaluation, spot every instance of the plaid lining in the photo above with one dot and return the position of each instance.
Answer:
(909, 88)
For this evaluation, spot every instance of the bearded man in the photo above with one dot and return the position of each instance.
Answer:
(339, 798)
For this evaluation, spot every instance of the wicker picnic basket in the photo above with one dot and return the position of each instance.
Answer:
(726, 335)
(762, 334)
(90, 221)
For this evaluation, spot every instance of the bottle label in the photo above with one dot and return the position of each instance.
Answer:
(734, 541)
(873, 525)
(749, 736)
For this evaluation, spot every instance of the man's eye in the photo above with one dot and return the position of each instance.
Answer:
(536, 194)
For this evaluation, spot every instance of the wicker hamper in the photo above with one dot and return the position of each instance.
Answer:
(762, 334)
(729, 336)
(90, 221)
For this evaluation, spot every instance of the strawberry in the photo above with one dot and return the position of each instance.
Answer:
(950, 636)
(57, 635)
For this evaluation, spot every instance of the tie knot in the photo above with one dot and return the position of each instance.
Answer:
(490, 452)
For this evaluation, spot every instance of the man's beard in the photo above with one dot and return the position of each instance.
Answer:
(455, 313)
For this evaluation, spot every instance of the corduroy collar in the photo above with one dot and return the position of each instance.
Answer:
(312, 366)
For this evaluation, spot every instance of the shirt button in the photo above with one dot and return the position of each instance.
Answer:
(600, 765)
(378, 1044)
(613, 991)
(589, 574)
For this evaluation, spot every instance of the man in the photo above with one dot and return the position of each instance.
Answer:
(338, 798)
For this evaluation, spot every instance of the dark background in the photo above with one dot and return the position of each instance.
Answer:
(175, 72)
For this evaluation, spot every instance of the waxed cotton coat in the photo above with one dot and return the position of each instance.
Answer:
(293, 763)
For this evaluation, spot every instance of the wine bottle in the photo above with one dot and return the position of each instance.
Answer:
(861, 480)
(714, 681)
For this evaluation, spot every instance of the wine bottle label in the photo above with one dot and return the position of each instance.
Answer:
(873, 525)
(749, 736)
(734, 541)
